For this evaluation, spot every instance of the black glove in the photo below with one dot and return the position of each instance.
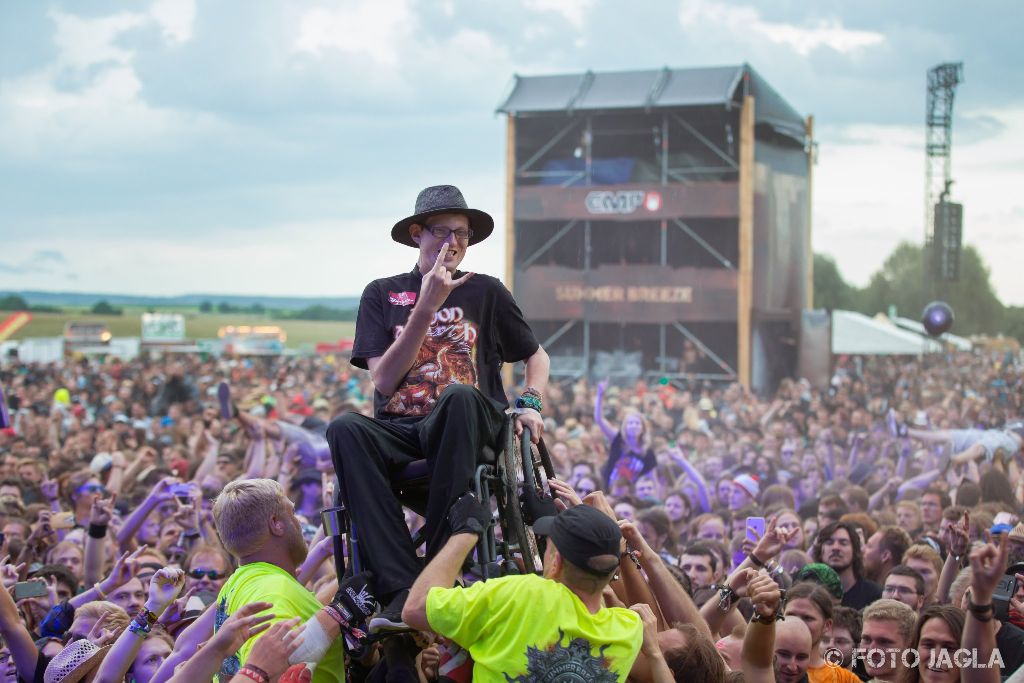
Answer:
(469, 515)
(355, 599)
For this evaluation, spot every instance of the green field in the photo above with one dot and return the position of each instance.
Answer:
(197, 325)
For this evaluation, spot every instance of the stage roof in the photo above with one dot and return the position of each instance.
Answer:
(855, 333)
(653, 89)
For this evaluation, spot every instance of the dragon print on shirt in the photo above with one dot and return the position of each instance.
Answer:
(447, 356)
(559, 664)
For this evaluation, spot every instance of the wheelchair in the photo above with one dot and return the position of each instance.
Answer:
(516, 479)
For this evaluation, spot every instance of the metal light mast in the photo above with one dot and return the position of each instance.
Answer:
(942, 82)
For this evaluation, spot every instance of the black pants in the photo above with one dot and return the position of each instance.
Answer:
(368, 452)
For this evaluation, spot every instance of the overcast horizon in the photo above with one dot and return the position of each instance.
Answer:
(172, 147)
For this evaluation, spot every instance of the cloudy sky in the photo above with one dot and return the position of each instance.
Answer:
(266, 147)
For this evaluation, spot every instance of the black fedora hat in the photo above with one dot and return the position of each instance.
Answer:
(443, 199)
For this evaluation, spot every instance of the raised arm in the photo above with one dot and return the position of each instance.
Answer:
(759, 640)
(956, 537)
(675, 604)
(19, 640)
(468, 519)
(160, 493)
(606, 428)
(99, 518)
(987, 566)
(658, 668)
(695, 476)
(163, 588)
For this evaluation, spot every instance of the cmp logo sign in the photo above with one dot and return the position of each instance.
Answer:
(623, 202)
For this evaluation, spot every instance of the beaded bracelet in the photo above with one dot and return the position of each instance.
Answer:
(530, 401)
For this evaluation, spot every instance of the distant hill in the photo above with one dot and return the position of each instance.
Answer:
(86, 299)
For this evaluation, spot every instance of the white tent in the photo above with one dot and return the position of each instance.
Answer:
(855, 333)
(959, 343)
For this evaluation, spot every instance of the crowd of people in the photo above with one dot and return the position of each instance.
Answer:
(883, 497)
(160, 518)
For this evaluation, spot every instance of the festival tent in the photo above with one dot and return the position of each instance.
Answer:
(959, 343)
(857, 334)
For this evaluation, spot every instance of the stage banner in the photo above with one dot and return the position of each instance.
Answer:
(627, 293)
(628, 202)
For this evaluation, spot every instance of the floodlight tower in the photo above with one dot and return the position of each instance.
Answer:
(942, 82)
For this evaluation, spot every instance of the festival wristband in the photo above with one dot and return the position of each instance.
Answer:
(530, 401)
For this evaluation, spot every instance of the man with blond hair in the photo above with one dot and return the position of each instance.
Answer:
(928, 563)
(257, 524)
(887, 632)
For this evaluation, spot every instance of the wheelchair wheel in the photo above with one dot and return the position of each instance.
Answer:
(524, 475)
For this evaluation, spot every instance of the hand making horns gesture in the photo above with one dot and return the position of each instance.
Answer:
(438, 283)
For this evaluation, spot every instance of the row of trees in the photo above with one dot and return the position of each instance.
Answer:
(901, 282)
(308, 313)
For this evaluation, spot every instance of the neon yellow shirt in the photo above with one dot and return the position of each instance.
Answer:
(534, 629)
(262, 581)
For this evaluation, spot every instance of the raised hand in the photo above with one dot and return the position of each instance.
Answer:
(956, 537)
(122, 571)
(565, 495)
(771, 544)
(764, 593)
(650, 622)
(988, 563)
(164, 587)
(598, 500)
(98, 635)
(635, 540)
(101, 511)
(245, 623)
(274, 647)
(438, 283)
(10, 573)
(161, 492)
(175, 611)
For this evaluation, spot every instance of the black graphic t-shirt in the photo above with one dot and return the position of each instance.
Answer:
(626, 465)
(478, 328)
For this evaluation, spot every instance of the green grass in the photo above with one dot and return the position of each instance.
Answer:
(197, 325)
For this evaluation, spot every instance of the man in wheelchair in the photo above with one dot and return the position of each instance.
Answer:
(433, 340)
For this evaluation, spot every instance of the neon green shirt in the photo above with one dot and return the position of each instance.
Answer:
(535, 629)
(262, 581)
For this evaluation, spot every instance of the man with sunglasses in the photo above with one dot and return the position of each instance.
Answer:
(206, 570)
(434, 340)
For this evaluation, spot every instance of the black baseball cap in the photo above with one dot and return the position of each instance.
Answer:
(583, 534)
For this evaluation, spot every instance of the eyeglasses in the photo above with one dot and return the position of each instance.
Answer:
(898, 590)
(212, 574)
(91, 488)
(441, 232)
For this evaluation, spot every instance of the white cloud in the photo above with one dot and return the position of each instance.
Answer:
(869, 196)
(803, 40)
(102, 110)
(380, 29)
(573, 11)
(85, 42)
(176, 18)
